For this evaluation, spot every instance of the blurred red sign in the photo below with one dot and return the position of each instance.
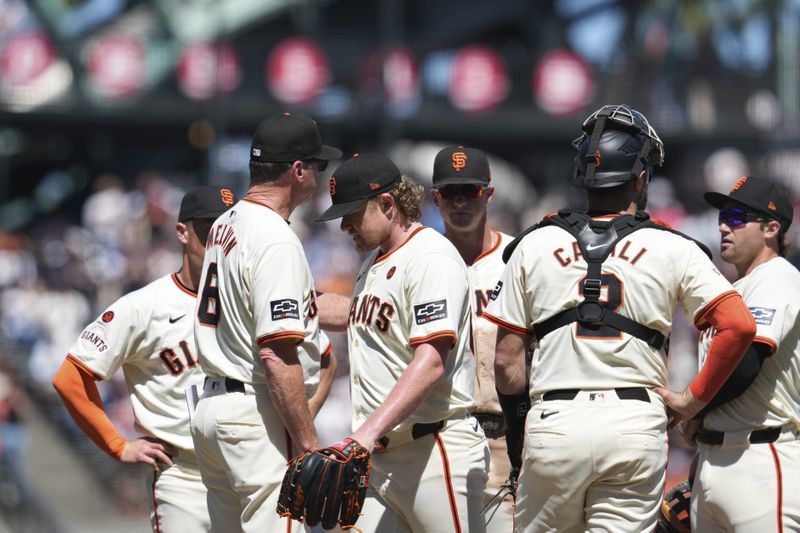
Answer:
(478, 79)
(206, 69)
(117, 66)
(297, 71)
(400, 76)
(562, 83)
(24, 57)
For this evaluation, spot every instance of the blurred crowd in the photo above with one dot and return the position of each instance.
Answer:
(61, 272)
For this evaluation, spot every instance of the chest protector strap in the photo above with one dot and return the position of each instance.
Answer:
(596, 239)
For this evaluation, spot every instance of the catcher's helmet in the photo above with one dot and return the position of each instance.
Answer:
(617, 143)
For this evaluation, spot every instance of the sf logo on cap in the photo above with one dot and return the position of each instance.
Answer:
(332, 186)
(459, 160)
(739, 183)
(226, 195)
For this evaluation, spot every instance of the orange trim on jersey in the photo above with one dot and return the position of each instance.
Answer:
(773, 347)
(660, 222)
(779, 481)
(77, 362)
(299, 335)
(416, 341)
(490, 250)
(155, 505)
(327, 353)
(183, 287)
(505, 325)
(448, 480)
(701, 317)
(393, 250)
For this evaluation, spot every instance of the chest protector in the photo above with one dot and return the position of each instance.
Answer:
(597, 239)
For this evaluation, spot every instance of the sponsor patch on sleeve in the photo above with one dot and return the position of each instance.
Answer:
(496, 291)
(763, 315)
(428, 312)
(286, 308)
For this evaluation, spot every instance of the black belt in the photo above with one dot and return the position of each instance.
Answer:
(231, 385)
(758, 436)
(624, 393)
(493, 424)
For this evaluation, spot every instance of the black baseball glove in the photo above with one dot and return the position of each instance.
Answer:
(327, 485)
(674, 514)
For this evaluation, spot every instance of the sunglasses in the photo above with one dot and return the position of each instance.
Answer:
(733, 217)
(468, 191)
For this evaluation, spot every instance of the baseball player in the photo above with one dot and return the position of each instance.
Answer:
(411, 377)
(258, 340)
(597, 292)
(462, 190)
(748, 473)
(149, 334)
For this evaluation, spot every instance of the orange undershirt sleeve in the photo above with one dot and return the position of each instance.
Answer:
(78, 390)
(735, 330)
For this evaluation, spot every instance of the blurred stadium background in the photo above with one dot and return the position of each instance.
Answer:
(111, 109)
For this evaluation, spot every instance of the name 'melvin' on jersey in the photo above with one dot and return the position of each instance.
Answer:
(564, 257)
(222, 235)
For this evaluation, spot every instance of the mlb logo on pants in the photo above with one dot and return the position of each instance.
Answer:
(597, 396)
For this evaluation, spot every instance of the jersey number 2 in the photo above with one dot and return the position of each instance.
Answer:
(208, 311)
(613, 302)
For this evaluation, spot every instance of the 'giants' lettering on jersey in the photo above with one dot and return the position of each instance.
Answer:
(223, 236)
(95, 339)
(428, 312)
(365, 312)
(565, 257)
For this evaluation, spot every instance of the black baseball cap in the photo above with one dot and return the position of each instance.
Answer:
(456, 165)
(208, 201)
(290, 137)
(761, 195)
(357, 180)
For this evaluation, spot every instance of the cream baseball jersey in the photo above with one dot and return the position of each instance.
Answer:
(772, 292)
(252, 291)
(644, 278)
(411, 295)
(149, 334)
(484, 273)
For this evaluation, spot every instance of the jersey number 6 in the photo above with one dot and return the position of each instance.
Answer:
(208, 311)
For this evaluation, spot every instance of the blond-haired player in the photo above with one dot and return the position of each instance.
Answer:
(149, 334)
(597, 290)
(257, 333)
(748, 472)
(411, 375)
(462, 191)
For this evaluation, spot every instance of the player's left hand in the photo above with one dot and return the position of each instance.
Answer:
(148, 450)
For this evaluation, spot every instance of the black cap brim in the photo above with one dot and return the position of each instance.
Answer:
(718, 200)
(461, 180)
(340, 210)
(329, 153)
